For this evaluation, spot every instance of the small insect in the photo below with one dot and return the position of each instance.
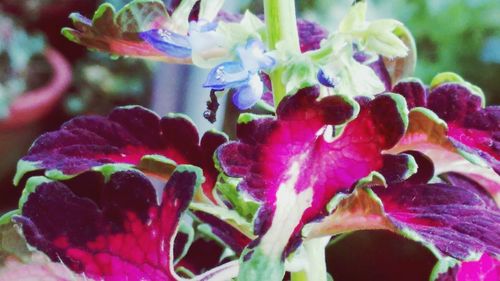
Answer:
(212, 106)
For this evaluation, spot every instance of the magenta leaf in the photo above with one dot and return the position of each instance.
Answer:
(458, 219)
(471, 128)
(303, 158)
(133, 136)
(414, 92)
(229, 236)
(486, 268)
(457, 179)
(19, 262)
(119, 232)
(450, 126)
(398, 168)
(454, 219)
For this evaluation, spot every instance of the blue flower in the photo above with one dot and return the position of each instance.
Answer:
(325, 79)
(171, 43)
(201, 35)
(242, 74)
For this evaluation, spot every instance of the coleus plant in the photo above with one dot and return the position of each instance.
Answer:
(350, 142)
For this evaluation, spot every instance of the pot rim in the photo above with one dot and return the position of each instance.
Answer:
(34, 104)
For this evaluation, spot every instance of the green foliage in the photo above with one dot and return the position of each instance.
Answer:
(12, 244)
(458, 46)
(17, 51)
(31, 9)
(451, 35)
(101, 83)
(244, 206)
(118, 4)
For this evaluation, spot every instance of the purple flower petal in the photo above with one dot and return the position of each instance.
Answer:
(254, 58)
(227, 75)
(310, 35)
(248, 95)
(170, 43)
(326, 80)
(379, 67)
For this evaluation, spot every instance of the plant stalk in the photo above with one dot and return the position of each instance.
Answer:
(316, 263)
(281, 24)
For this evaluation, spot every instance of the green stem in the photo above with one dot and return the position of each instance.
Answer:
(316, 263)
(320, 54)
(281, 26)
(298, 276)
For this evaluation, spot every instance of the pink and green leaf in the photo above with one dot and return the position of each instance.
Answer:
(303, 158)
(487, 268)
(455, 220)
(132, 136)
(414, 92)
(118, 33)
(471, 128)
(112, 229)
(453, 130)
(19, 262)
(228, 235)
(452, 220)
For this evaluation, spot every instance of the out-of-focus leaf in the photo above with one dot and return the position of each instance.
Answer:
(117, 32)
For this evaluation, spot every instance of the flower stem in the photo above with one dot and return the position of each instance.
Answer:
(281, 26)
(299, 276)
(316, 266)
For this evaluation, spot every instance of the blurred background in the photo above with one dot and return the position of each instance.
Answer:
(40, 89)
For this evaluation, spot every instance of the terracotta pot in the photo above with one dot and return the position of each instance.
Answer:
(35, 104)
